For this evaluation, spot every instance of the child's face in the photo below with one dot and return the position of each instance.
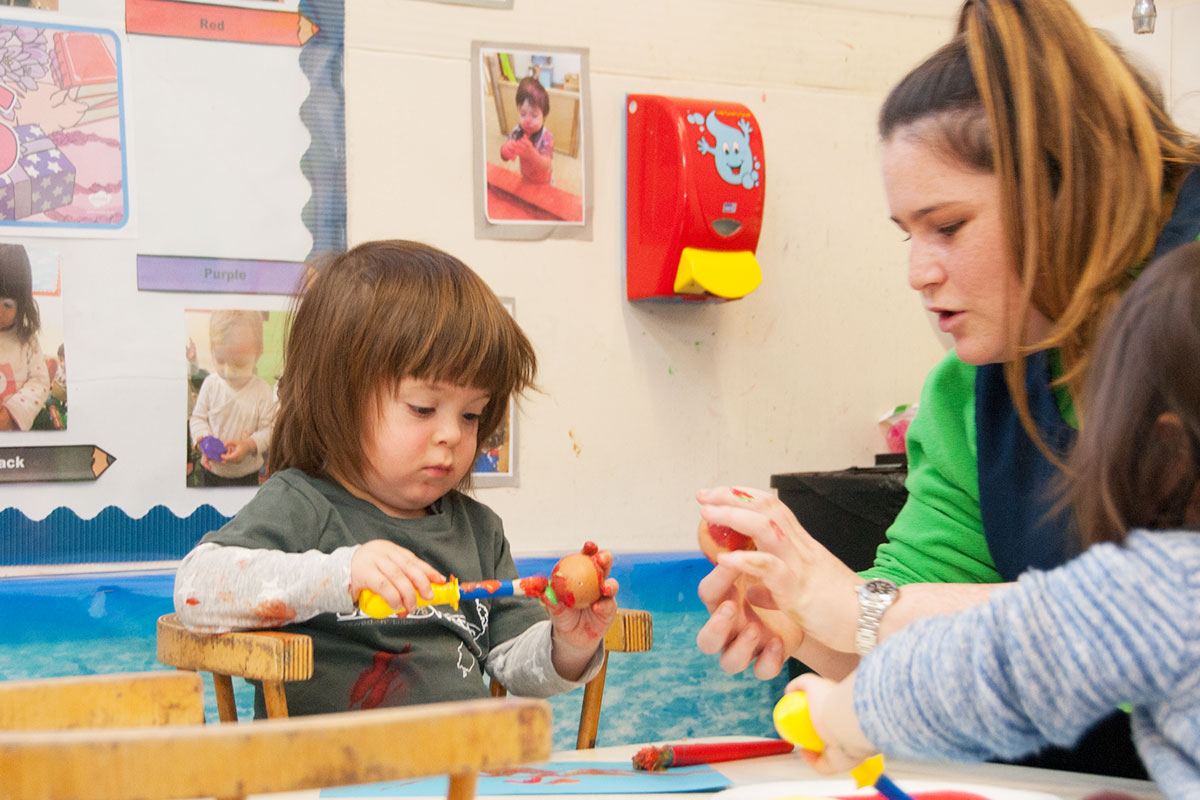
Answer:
(420, 443)
(8, 313)
(531, 117)
(235, 358)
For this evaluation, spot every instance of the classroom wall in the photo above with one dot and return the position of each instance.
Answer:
(644, 403)
(641, 404)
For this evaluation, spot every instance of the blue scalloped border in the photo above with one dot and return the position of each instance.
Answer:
(323, 112)
(110, 536)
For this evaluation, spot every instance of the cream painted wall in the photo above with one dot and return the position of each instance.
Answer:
(643, 404)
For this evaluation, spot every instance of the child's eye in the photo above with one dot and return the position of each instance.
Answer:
(420, 411)
(469, 417)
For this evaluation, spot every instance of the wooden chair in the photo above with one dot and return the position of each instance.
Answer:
(275, 658)
(276, 755)
(102, 701)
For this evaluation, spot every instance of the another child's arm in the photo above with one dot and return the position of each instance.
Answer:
(1037, 665)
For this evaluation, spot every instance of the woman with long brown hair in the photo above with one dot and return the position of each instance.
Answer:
(1034, 172)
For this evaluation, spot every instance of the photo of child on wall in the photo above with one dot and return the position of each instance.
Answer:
(33, 382)
(532, 136)
(233, 359)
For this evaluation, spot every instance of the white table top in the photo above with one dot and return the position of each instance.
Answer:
(773, 769)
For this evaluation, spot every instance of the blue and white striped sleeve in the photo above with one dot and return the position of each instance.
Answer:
(1043, 660)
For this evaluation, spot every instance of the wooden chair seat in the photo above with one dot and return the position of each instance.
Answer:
(278, 755)
(276, 658)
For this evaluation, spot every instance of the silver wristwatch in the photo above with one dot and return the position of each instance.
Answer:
(874, 597)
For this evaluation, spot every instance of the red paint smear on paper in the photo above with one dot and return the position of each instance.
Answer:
(549, 776)
(192, 601)
(274, 612)
(383, 679)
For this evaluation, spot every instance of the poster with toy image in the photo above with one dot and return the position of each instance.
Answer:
(62, 129)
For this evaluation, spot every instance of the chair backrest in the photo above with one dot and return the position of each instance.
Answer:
(159, 763)
(276, 658)
(273, 657)
(102, 701)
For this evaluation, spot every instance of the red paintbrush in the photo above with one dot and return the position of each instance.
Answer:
(685, 755)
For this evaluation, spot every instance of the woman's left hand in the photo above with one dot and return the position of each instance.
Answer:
(797, 574)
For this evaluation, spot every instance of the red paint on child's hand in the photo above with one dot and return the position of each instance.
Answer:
(274, 612)
(192, 601)
(742, 495)
(779, 534)
(590, 549)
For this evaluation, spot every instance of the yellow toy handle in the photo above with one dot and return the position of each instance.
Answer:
(444, 594)
(794, 723)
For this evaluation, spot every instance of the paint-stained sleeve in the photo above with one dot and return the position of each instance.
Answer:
(222, 588)
(523, 666)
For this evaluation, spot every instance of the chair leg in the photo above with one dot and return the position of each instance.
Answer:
(589, 718)
(275, 699)
(462, 786)
(226, 706)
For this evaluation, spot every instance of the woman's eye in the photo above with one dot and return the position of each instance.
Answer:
(951, 229)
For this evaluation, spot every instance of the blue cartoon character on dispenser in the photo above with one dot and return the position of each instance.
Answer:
(732, 152)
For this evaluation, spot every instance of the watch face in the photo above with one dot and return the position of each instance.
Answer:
(880, 586)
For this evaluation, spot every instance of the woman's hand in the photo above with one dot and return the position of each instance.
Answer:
(392, 572)
(577, 632)
(794, 572)
(831, 708)
(737, 631)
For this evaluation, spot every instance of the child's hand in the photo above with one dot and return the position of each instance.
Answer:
(524, 148)
(831, 708)
(579, 631)
(393, 573)
(508, 150)
(6, 420)
(239, 450)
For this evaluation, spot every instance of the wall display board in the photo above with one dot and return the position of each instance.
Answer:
(164, 182)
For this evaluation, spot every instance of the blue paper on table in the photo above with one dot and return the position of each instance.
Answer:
(555, 777)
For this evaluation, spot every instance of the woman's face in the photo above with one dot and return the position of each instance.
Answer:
(959, 258)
